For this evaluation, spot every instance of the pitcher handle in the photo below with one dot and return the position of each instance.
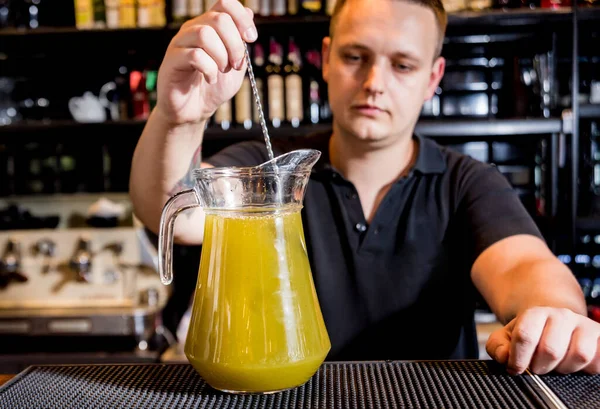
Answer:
(183, 200)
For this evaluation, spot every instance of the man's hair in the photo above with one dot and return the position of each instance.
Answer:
(435, 5)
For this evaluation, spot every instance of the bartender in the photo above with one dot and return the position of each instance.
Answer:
(401, 233)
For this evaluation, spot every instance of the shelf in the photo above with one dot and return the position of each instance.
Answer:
(109, 131)
(589, 111)
(520, 17)
(588, 223)
(488, 128)
(500, 17)
(114, 130)
(170, 28)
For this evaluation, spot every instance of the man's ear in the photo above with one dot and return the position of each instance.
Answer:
(437, 72)
(325, 52)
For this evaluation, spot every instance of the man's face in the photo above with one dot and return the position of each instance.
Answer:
(380, 67)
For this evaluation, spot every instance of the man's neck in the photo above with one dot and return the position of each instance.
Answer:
(372, 170)
(364, 165)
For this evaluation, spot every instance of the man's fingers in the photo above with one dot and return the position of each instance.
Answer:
(554, 343)
(583, 349)
(242, 16)
(525, 338)
(206, 38)
(498, 345)
(188, 59)
(594, 366)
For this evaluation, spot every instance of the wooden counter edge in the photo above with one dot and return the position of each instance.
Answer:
(5, 378)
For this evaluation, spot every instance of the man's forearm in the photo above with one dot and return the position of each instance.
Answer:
(541, 283)
(160, 162)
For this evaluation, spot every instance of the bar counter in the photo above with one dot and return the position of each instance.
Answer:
(379, 384)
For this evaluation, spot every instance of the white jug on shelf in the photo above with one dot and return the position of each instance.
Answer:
(87, 108)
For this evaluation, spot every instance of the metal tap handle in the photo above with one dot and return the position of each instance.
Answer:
(11, 259)
(81, 261)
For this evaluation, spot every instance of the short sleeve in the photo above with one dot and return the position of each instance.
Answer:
(492, 208)
(248, 153)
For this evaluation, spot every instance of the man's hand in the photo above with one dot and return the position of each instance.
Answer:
(547, 339)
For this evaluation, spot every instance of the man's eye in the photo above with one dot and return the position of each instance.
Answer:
(403, 67)
(352, 57)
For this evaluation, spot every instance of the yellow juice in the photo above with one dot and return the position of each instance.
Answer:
(256, 324)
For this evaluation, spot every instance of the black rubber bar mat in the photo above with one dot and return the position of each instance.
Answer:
(426, 384)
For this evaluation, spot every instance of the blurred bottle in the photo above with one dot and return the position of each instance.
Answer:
(264, 8)
(452, 6)
(123, 91)
(275, 86)
(84, 14)
(479, 5)
(151, 79)
(554, 4)
(258, 63)
(311, 6)
(139, 95)
(222, 116)
(144, 13)
(330, 6)
(243, 105)
(112, 13)
(316, 110)
(127, 14)
(99, 14)
(278, 7)
(195, 8)
(4, 13)
(253, 5)
(293, 85)
(159, 18)
(292, 7)
(179, 11)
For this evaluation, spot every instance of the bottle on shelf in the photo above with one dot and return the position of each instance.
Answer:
(275, 85)
(111, 8)
(179, 11)
(99, 14)
(151, 76)
(278, 8)
(293, 85)
(195, 8)
(264, 8)
(127, 14)
(311, 6)
(258, 63)
(123, 91)
(292, 7)
(144, 13)
(84, 14)
(317, 110)
(330, 6)
(139, 95)
(253, 5)
(159, 18)
(222, 116)
(243, 105)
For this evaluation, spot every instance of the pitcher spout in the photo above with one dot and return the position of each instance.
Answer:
(298, 161)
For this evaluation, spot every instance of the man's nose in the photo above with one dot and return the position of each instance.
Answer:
(374, 80)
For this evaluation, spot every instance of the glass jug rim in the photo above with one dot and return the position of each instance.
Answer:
(254, 171)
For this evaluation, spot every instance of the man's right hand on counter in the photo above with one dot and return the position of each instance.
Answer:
(204, 64)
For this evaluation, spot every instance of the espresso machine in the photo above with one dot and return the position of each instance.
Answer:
(79, 295)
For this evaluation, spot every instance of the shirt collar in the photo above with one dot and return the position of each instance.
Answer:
(430, 158)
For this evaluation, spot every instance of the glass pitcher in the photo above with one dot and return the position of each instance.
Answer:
(256, 324)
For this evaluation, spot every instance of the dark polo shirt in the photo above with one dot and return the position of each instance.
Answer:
(399, 287)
